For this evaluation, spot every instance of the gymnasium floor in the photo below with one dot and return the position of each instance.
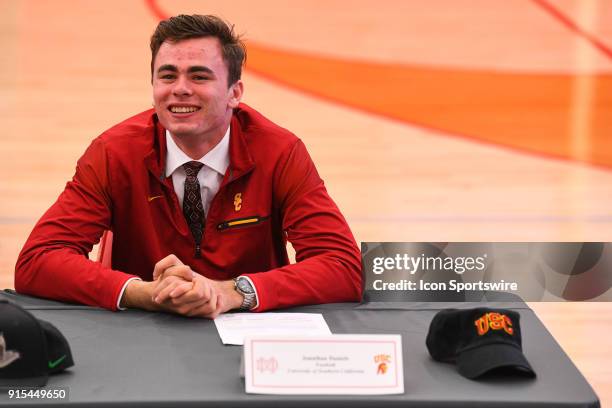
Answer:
(444, 120)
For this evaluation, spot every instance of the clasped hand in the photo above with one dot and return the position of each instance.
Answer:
(178, 289)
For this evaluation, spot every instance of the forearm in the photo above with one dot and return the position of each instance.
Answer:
(233, 299)
(316, 280)
(139, 295)
(62, 274)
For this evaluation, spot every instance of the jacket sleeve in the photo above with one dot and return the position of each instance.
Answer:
(328, 262)
(54, 261)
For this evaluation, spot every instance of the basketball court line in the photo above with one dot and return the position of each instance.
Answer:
(574, 27)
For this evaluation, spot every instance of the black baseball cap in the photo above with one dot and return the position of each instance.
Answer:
(30, 348)
(479, 341)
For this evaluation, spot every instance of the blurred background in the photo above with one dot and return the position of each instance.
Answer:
(444, 120)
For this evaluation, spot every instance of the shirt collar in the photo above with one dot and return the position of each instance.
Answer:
(216, 159)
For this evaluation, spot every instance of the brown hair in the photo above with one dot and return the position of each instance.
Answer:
(183, 27)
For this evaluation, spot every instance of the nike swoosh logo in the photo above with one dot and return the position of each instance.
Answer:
(153, 198)
(53, 364)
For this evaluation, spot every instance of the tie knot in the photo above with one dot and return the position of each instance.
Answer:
(192, 168)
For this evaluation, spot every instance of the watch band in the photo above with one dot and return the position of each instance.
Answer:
(243, 286)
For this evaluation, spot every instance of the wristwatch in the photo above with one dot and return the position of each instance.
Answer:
(244, 287)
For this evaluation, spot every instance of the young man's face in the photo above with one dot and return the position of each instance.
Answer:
(190, 91)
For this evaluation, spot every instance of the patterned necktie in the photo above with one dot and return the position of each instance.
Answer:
(192, 203)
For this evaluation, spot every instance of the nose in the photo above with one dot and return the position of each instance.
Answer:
(182, 87)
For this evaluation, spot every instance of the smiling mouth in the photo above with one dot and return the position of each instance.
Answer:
(183, 109)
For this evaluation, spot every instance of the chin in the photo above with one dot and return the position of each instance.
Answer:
(181, 128)
(180, 131)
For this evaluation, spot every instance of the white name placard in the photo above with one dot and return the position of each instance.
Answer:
(335, 364)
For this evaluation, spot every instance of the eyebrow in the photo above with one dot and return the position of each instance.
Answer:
(195, 68)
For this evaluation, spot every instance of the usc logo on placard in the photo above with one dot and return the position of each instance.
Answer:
(382, 361)
(494, 321)
(266, 364)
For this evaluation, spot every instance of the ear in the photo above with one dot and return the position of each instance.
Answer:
(235, 94)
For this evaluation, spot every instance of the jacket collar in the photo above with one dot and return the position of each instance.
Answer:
(155, 159)
(241, 161)
(240, 164)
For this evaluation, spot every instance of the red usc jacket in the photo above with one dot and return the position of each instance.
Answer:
(270, 193)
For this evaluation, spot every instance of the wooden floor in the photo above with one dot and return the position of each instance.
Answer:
(406, 161)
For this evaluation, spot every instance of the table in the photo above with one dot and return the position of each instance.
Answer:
(136, 358)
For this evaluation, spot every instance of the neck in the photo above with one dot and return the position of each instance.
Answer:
(196, 146)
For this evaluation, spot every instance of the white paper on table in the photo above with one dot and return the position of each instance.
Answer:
(233, 327)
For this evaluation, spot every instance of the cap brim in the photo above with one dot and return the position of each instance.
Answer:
(58, 350)
(484, 359)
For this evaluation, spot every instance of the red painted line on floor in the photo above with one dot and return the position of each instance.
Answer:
(574, 27)
(156, 10)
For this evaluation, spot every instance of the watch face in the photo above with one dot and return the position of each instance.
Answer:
(244, 285)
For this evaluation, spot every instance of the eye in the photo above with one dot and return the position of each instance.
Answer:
(167, 77)
(200, 78)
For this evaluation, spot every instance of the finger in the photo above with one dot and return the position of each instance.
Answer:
(206, 310)
(210, 307)
(205, 299)
(187, 309)
(165, 263)
(202, 290)
(187, 297)
(181, 289)
(164, 294)
(181, 271)
(182, 309)
(161, 284)
(218, 309)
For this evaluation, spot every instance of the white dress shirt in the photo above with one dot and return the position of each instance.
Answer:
(210, 175)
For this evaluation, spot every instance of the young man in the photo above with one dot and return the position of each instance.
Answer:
(201, 193)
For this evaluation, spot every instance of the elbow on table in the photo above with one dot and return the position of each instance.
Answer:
(357, 286)
(355, 279)
(21, 276)
(25, 274)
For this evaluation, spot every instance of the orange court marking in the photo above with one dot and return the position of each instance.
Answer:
(492, 107)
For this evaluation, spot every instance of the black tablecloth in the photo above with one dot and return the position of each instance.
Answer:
(137, 358)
